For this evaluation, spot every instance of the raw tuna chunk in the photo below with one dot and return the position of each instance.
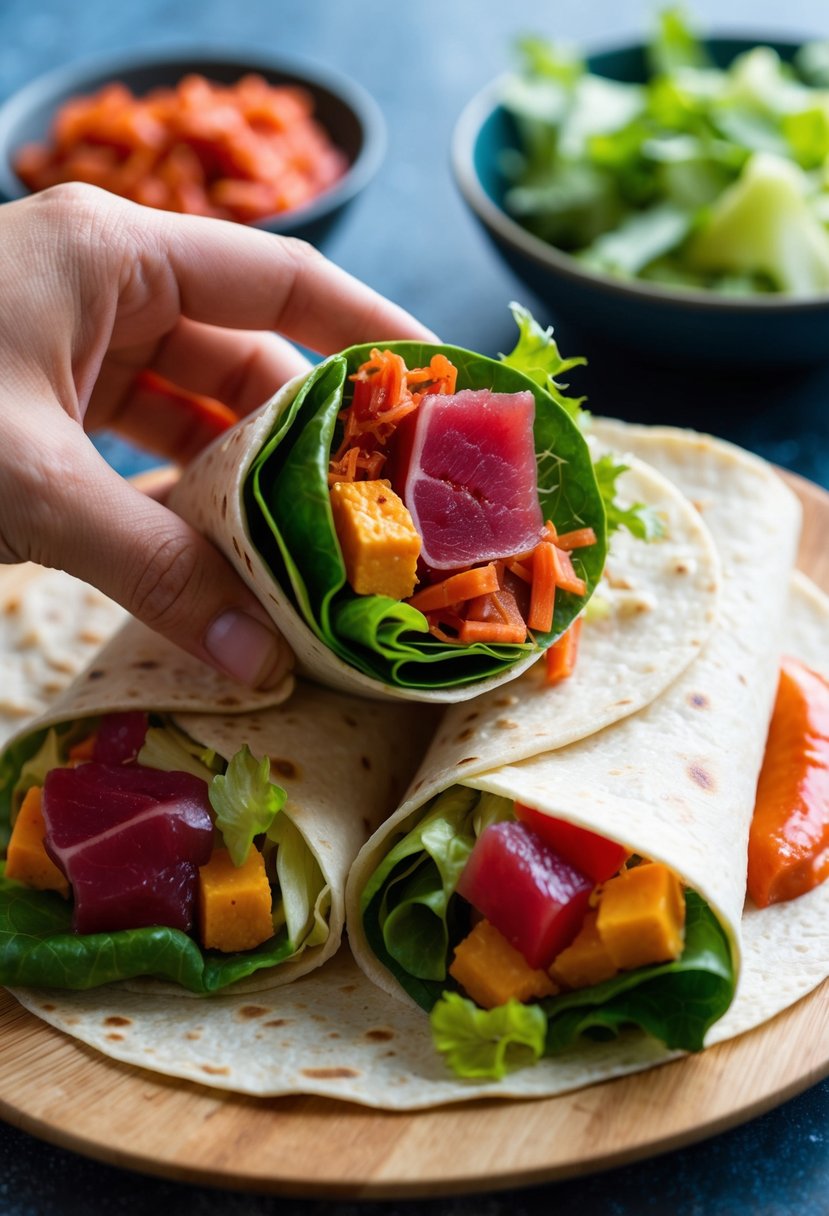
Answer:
(120, 737)
(532, 896)
(130, 841)
(471, 483)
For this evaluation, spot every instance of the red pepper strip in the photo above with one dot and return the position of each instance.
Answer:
(560, 659)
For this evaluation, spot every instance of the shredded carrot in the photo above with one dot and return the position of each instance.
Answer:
(454, 590)
(241, 151)
(560, 659)
(543, 593)
(521, 569)
(549, 532)
(565, 575)
(580, 538)
(85, 750)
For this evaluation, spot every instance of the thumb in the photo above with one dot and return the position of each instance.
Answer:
(89, 521)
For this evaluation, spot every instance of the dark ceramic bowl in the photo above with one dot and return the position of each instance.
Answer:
(350, 116)
(661, 322)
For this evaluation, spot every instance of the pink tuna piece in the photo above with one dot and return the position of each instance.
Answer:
(472, 484)
(120, 737)
(130, 841)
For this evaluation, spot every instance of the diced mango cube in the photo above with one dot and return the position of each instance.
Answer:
(378, 539)
(26, 858)
(234, 902)
(586, 960)
(641, 916)
(491, 971)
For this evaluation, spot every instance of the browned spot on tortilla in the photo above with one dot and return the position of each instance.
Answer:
(333, 1034)
(701, 776)
(464, 735)
(285, 768)
(625, 701)
(741, 678)
(115, 1038)
(236, 547)
(389, 1053)
(277, 1022)
(366, 763)
(506, 724)
(476, 713)
(216, 1070)
(680, 568)
(248, 562)
(698, 700)
(329, 1074)
(251, 1011)
(417, 785)
(700, 506)
(90, 637)
(318, 1017)
(468, 760)
(48, 1008)
(224, 506)
(348, 988)
(712, 587)
(506, 701)
(366, 822)
(72, 1021)
(194, 1035)
(147, 664)
(349, 721)
(116, 1020)
(62, 665)
(381, 1034)
(11, 607)
(228, 699)
(51, 687)
(95, 675)
(272, 597)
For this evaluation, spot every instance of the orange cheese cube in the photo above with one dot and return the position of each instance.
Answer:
(26, 858)
(586, 960)
(378, 539)
(641, 916)
(234, 902)
(491, 971)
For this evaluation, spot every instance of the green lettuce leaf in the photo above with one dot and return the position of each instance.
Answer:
(289, 513)
(487, 1043)
(172, 751)
(245, 801)
(39, 949)
(640, 520)
(301, 883)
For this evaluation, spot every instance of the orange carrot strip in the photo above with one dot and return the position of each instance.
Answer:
(549, 532)
(543, 593)
(788, 846)
(560, 659)
(491, 631)
(454, 590)
(84, 750)
(520, 568)
(580, 538)
(565, 575)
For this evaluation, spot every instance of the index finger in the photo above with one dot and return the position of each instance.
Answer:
(242, 278)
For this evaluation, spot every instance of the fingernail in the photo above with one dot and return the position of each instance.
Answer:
(248, 651)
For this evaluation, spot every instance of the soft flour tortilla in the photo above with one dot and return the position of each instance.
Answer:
(363, 1045)
(676, 579)
(343, 763)
(51, 625)
(663, 782)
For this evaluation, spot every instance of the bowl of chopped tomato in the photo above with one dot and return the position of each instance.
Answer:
(245, 137)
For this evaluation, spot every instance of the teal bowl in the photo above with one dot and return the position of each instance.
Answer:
(665, 324)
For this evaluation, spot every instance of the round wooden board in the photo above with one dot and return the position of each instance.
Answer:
(65, 1093)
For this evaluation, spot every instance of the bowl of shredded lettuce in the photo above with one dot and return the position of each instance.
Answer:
(672, 195)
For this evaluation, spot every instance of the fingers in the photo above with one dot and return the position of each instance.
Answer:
(229, 275)
(241, 369)
(69, 509)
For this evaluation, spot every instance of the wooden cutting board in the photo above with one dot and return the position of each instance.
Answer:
(65, 1093)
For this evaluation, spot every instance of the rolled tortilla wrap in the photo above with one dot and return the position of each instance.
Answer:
(341, 763)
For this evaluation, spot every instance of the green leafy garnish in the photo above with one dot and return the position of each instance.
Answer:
(245, 801)
(170, 750)
(487, 1043)
(700, 177)
(640, 520)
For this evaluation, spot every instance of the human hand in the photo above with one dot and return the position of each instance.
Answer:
(93, 289)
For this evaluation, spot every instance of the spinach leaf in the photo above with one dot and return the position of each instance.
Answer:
(39, 949)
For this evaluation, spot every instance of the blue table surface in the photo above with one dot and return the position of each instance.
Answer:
(411, 238)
